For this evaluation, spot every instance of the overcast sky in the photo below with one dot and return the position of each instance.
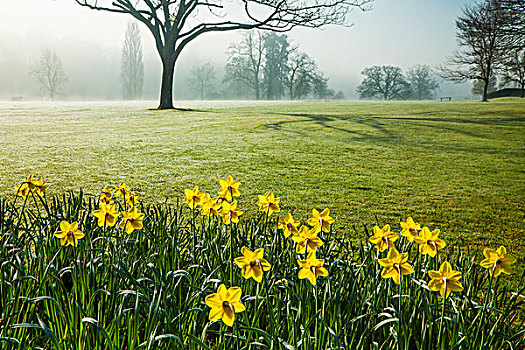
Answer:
(396, 32)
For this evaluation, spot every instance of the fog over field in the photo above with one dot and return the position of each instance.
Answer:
(89, 43)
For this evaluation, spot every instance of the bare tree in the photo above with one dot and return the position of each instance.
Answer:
(131, 64)
(514, 70)
(201, 79)
(176, 23)
(386, 82)
(484, 41)
(422, 82)
(305, 79)
(50, 74)
(245, 63)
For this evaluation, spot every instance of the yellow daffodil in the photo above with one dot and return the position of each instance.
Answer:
(225, 304)
(383, 238)
(122, 190)
(30, 181)
(106, 195)
(132, 199)
(194, 197)
(410, 229)
(288, 224)
(252, 263)
(321, 221)
(210, 206)
(230, 213)
(69, 234)
(22, 190)
(268, 203)
(429, 243)
(40, 187)
(131, 220)
(312, 268)
(106, 215)
(306, 239)
(497, 261)
(395, 265)
(229, 188)
(445, 279)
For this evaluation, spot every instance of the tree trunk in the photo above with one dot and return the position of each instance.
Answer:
(257, 94)
(485, 88)
(166, 91)
(522, 90)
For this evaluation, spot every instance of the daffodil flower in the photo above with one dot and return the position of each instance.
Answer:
(131, 220)
(210, 206)
(306, 239)
(193, 197)
(225, 304)
(383, 238)
(229, 188)
(106, 195)
(312, 268)
(252, 263)
(106, 215)
(268, 203)
(230, 213)
(69, 234)
(429, 242)
(288, 224)
(395, 265)
(497, 261)
(445, 280)
(22, 190)
(122, 190)
(40, 187)
(321, 221)
(132, 199)
(410, 229)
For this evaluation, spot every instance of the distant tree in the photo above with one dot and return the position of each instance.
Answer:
(201, 79)
(49, 72)
(245, 63)
(484, 41)
(175, 24)
(301, 71)
(131, 64)
(422, 82)
(276, 52)
(386, 82)
(478, 86)
(514, 70)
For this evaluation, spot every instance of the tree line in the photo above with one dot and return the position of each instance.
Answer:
(389, 83)
(265, 65)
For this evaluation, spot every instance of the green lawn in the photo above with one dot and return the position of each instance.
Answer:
(456, 166)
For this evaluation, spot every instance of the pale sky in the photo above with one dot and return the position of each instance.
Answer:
(395, 32)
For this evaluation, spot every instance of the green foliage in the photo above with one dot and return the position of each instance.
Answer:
(146, 290)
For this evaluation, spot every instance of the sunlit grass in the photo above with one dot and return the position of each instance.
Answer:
(456, 165)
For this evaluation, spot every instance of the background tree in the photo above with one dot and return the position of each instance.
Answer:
(245, 62)
(276, 51)
(384, 82)
(50, 74)
(131, 64)
(201, 79)
(174, 24)
(484, 41)
(422, 82)
(513, 71)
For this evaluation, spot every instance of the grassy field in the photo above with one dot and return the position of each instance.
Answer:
(456, 166)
